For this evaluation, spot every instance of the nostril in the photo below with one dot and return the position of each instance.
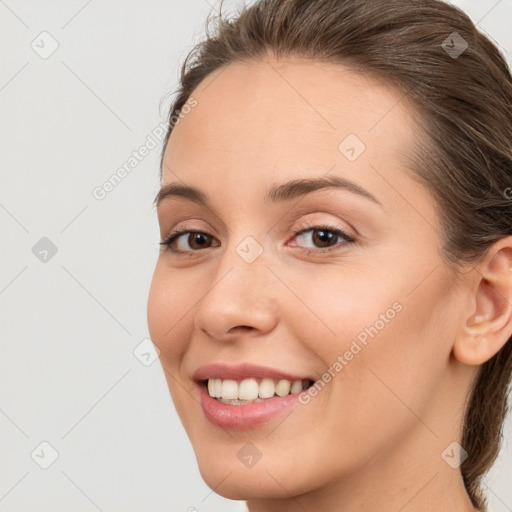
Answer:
(242, 327)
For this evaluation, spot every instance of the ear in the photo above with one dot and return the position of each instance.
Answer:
(488, 323)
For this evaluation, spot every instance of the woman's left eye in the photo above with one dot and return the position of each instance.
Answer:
(326, 238)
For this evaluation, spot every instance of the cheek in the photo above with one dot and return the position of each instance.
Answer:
(168, 313)
(387, 341)
(334, 309)
(406, 364)
(169, 325)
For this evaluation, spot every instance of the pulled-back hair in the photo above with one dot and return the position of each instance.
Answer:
(463, 103)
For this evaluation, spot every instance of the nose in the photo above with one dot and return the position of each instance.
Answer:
(239, 300)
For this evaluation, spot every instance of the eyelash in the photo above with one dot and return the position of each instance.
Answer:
(348, 240)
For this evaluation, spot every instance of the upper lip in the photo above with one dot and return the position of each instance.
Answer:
(241, 372)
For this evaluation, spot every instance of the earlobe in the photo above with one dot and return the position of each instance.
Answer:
(488, 326)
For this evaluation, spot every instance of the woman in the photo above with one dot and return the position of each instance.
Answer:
(333, 298)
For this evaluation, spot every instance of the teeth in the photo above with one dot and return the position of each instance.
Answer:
(239, 402)
(296, 386)
(217, 388)
(267, 388)
(248, 390)
(283, 387)
(229, 389)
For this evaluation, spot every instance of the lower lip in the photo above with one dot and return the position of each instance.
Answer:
(242, 417)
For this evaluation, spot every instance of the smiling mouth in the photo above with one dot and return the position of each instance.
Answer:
(248, 391)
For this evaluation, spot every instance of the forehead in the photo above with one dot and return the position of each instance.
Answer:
(288, 118)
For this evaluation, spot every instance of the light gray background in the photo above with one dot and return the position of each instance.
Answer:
(70, 325)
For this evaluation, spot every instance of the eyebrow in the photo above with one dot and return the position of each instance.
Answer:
(278, 193)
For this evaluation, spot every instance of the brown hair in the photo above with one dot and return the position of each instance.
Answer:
(464, 103)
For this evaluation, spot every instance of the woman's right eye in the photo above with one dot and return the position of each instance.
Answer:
(177, 241)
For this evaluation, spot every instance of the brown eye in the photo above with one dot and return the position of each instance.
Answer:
(188, 241)
(322, 237)
(199, 240)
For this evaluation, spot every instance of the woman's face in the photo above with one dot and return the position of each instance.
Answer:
(369, 315)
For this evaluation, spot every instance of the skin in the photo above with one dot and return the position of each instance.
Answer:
(375, 434)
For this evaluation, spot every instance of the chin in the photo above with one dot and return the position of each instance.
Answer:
(274, 476)
(243, 484)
